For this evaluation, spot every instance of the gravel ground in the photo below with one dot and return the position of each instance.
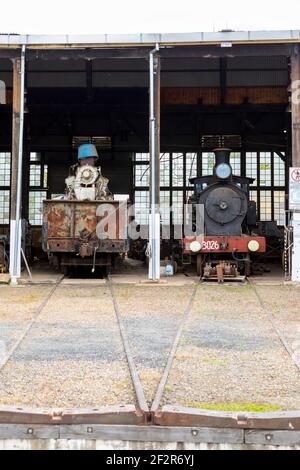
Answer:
(72, 357)
(230, 354)
(17, 305)
(284, 304)
(151, 316)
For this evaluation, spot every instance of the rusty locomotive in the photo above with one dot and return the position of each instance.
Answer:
(224, 222)
(87, 227)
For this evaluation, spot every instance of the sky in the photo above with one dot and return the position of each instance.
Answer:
(136, 16)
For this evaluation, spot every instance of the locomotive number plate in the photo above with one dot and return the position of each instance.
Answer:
(210, 245)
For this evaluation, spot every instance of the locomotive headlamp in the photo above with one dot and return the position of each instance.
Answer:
(223, 171)
(195, 247)
(253, 246)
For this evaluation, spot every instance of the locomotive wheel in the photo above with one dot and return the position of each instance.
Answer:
(199, 265)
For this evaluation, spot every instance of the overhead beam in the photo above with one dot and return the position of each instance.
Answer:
(235, 50)
(142, 52)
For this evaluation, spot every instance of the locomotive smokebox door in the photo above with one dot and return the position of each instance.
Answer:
(226, 208)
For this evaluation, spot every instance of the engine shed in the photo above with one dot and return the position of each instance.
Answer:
(226, 89)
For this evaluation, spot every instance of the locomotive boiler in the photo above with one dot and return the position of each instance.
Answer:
(87, 227)
(224, 222)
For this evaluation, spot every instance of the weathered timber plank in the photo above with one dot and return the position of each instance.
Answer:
(21, 431)
(153, 434)
(177, 416)
(274, 438)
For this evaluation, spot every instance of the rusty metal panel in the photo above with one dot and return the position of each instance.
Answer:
(190, 95)
(257, 95)
(67, 222)
(234, 95)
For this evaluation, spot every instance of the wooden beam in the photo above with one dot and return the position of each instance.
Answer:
(15, 136)
(295, 105)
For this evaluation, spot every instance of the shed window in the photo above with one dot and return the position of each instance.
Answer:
(5, 165)
(176, 170)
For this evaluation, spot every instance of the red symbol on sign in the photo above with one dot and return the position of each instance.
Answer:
(296, 175)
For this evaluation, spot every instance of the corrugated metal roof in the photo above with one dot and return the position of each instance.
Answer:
(148, 38)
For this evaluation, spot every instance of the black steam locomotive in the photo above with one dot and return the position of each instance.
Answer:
(224, 219)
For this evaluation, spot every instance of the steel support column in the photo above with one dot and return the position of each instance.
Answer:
(154, 143)
(16, 166)
(295, 105)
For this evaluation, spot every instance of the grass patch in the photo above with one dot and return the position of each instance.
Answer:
(28, 299)
(251, 407)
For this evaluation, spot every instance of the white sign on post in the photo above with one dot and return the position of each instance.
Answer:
(294, 189)
(295, 208)
(296, 248)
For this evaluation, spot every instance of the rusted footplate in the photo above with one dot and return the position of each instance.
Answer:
(188, 417)
(122, 415)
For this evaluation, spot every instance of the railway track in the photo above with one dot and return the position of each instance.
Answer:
(143, 412)
(29, 325)
(165, 375)
(88, 347)
(141, 399)
(273, 322)
(134, 372)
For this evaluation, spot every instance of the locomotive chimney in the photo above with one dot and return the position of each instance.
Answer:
(222, 156)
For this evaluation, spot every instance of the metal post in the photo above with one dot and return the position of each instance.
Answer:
(16, 167)
(154, 137)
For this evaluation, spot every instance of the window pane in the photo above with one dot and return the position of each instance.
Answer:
(279, 171)
(4, 169)
(279, 207)
(45, 182)
(208, 163)
(235, 162)
(165, 207)
(35, 176)
(265, 169)
(178, 174)
(165, 169)
(141, 200)
(35, 157)
(142, 175)
(191, 167)
(4, 207)
(36, 207)
(265, 206)
(177, 207)
(142, 157)
(251, 166)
